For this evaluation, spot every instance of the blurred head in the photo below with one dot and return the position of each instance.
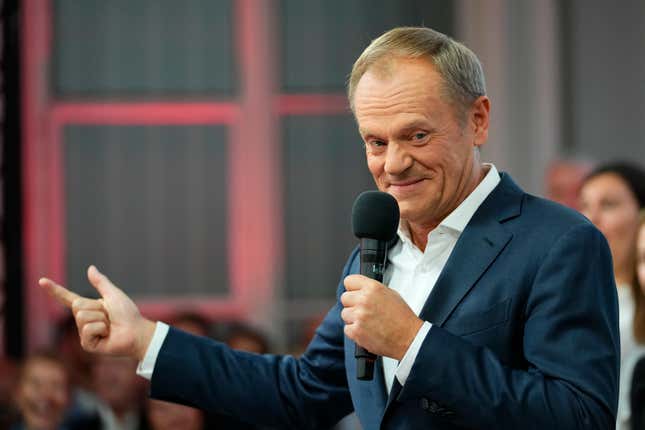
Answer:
(564, 180)
(115, 382)
(171, 416)
(611, 197)
(245, 338)
(193, 323)
(42, 394)
(419, 101)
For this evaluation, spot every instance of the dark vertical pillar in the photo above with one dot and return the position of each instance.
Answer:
(11, 212)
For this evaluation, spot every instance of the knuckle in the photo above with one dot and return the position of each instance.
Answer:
(348, 331)
(343, 298)
(76, 304)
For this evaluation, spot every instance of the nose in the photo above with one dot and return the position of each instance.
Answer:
(397, 159)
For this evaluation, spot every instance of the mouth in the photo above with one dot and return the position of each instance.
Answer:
(402, 187)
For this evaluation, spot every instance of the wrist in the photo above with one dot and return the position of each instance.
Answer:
(415, 326)
(144, 336)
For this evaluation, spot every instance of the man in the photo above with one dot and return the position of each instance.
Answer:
(563, 181)
(500, 311)
(42, 395)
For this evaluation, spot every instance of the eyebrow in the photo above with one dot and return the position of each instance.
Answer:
(414, 125)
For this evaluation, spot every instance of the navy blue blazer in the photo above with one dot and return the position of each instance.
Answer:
(524, 336)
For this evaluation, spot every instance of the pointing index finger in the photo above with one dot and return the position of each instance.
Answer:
(60, 293)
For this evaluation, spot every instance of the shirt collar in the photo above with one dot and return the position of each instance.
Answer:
(458, 219)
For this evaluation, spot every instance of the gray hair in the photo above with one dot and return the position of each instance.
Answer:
(458, 65)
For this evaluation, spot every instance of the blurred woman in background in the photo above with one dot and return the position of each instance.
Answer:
(612, 197)
(637, 392)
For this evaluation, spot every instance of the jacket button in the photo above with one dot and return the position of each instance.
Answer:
(424, 403)
(434, 408)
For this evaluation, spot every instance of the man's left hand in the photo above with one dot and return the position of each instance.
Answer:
(377, 318)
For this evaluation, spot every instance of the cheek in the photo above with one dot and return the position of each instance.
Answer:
(375, 166)
(619, 224)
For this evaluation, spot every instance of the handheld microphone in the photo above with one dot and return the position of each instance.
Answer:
(375, 219)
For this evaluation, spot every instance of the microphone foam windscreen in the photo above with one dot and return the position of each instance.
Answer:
(375, 215)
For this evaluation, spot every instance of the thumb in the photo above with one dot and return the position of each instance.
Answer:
(101, 282)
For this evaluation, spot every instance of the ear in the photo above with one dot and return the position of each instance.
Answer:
(479, 119)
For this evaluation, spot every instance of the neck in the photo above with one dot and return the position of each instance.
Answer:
(419, 231)
(624, 269)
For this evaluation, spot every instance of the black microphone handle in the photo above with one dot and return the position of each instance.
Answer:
(373, 259)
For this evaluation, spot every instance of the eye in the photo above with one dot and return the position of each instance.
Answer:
(420, 135)
(609, 204)
(375, 144)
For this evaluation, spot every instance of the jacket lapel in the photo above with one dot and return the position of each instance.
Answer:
(477, 248)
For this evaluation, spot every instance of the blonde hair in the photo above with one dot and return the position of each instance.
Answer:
(459, 66)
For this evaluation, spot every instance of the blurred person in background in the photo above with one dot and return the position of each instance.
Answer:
(120, 394)
(564, 178)
(612, 196)
(79, 365)
(246, 338)
(42, 393)
(191, 322)
(8, 379)
(636, 379)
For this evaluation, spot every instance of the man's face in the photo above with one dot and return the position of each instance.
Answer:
(43, 394)
(418, 149)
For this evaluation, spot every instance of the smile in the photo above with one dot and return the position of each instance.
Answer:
(405, 187)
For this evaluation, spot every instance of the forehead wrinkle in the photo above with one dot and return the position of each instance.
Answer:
(381, 113)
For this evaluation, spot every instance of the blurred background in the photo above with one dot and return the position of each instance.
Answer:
(203, 155)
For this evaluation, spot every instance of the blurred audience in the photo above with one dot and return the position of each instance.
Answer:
(612, 197)
(564, 179)
(79, 365)
(245, 338)
(192, 322)
(42, 393)
(8, 379)
(120, 394)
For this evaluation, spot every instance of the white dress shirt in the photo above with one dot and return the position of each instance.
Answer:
(410, 272)
(413, 273)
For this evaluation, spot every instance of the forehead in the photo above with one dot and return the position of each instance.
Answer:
(40, 367)
(400, 87)
(606, 183)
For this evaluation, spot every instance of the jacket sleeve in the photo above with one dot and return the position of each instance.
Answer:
(570, 343)
(269, 390)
